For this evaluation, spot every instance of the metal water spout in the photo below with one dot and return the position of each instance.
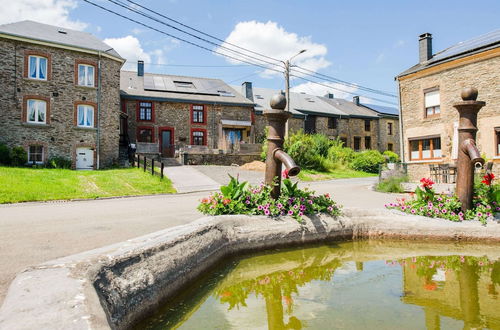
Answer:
(469, 156)
(276, 118)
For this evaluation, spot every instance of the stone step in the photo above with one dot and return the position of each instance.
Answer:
(170, 162)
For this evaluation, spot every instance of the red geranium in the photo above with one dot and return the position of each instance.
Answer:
(285, 174)
(488, 178)
(426, 183)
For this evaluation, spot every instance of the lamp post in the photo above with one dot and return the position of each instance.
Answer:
(287, 84)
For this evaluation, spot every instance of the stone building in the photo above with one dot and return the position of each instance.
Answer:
(359, 126)
(427, 93)
(167, 114)
(60, 94)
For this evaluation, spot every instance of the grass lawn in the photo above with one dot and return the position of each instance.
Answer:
(344, 173)
(26, 184)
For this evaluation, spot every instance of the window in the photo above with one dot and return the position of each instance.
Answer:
(86, 75)
(367, 125)
(36, 111)
(85, 116)
(198, 114)
(145, 135)
(145, 111)
(357, 143)
(497, 134)
(198, 138)
(35, 154)
(333, 123)
(432, 101)
(368, 142)
(390, 147)
(183, 84)
(389, 128)
(344, 141)
(37, 67)
(425, 149)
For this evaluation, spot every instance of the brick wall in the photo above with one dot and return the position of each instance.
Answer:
(482, 75)
(60, 135)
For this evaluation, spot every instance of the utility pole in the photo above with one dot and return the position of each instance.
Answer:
(287, 86)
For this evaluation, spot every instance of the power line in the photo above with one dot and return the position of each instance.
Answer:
(197, 65)
(315, 74)
(216, 52)
(178, 38)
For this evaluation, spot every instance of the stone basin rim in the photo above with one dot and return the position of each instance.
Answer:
(115, 286)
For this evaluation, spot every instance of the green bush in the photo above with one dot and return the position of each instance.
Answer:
(310, 151)
(19, 157)
(368, 161)
(392, 157)
(392, 184)
(5, 155)
(263, 154)
(59, 162)
(339, 153)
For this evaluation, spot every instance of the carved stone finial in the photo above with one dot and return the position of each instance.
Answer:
(278, 102)
(469, 94)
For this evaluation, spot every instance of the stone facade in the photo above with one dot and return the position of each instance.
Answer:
(59, 136)
(479, 71)
(177, 118)
(347, 130)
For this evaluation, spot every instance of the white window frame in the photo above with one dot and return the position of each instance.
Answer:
(37, 110)
(37, 67)
(432, 102)
(30, 154)
(86, 75)
(85, 116)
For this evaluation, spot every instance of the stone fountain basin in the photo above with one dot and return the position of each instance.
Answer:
(115, 286)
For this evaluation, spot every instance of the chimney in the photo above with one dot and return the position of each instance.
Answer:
(355, 100)
(329, 95)
(140, 68)
(247, 90)
(425, 47)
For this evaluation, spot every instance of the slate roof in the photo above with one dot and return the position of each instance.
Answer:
(57, 35)
(163, 87)
(475, 45)
(304, 104)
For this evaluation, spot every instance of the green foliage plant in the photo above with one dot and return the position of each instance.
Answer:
(5, 155)
(242, 198)
(392, 157)
(19, 156)
(368, 161)
(59, 162)
(391, 184)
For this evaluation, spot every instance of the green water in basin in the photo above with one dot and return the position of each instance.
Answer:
(352, 285)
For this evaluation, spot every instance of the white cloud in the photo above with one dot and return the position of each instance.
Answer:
(272, 40)
(54, 12)
(380, 58)
(130, 48)
(137, 31)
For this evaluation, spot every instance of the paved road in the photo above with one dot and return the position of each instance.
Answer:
(32, 233)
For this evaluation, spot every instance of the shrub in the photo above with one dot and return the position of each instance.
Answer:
(309, 151)
(263, 154)
(59, 162)
(19, 156)
(368, 161)
(338, 153)
(5, 155)
(241, 198)
(391, 185)
(392, 157)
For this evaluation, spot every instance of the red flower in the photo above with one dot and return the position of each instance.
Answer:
(426, 183)
(488, 178)
(226, 201)
(430, 286)
(285, 174)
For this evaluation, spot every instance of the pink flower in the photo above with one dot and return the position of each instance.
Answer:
(267, 212)
(290, 212)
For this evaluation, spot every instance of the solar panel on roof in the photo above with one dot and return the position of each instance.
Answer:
(148, 83)
(159, 83)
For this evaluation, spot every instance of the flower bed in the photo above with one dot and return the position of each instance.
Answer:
(425, 202)
(242, 198)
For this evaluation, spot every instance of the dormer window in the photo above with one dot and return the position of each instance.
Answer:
(183, 84)
(37, 67)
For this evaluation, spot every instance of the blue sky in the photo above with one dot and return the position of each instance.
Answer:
(364, 42)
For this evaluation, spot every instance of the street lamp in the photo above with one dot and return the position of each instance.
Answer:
(287, 84)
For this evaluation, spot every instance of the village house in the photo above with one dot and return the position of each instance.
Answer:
(359, 126)
(169, 116)
(60, 94)
(427, 93)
